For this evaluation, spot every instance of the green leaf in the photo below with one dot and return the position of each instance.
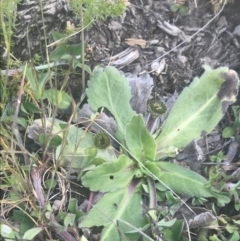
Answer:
(23, 109)
(25, 226)
(50, 183)
(228, 132)
(37, 128)
(175, 232)
(22, 121)
(175, 7)
(38, 80)
(31, 107)
(54, 142)
(57, 36)
(183, 10)
(139, 141)
(235, 236)
(58, 52)
(58, 98)
(15, 196)
(124, 204)
(108, 88)
(43, 78)
(166, 224)
(20, 216)
(110, 176)
(69, 219)
(236, 111)
(25, 221)
(63, 49)
(77, 63)
(79, 153)
(179, 179)
(30, 234)
(61, 216)
(80, 158)
(199, 107)
(67, 57)
(75, 49)
(34, 84)
(78, 137)
(7, 232)
(73, 208)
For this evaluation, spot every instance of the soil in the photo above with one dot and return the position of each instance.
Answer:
(212, 45)
(179, 55)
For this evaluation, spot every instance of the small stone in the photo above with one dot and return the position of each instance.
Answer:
(222, 22)
(237, 30)
(114, 26)
(56, 205)
(182, 59)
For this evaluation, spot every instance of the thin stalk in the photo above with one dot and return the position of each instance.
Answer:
(14, 125)
(83, 51)
(152, 198)
(41, 67)
(7, 38)
(44, 121)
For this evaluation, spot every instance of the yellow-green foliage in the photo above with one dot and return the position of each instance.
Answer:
(8, 13)
(93, 10)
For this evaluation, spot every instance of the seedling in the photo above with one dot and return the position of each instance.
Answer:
(181, 8)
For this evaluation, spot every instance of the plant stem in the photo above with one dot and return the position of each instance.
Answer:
(83, 51)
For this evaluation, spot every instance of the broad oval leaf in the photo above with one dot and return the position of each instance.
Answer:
(31, 233)
(31, 107)
(53, 141)
(69, 219)
(114, 210)
(199, 107)
(139, 141)
(110, 176)
(57, 36)
(108, 88)
(50, 183)
(7, 232)
(58, 98)
(228, 132)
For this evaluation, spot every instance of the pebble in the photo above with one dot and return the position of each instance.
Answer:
(237, 30)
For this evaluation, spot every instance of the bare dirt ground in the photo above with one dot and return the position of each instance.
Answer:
(157, 31)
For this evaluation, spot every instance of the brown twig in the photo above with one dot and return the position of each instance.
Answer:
(90, 202)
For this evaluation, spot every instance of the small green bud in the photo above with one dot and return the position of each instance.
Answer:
(102, 140)
(156, 107)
